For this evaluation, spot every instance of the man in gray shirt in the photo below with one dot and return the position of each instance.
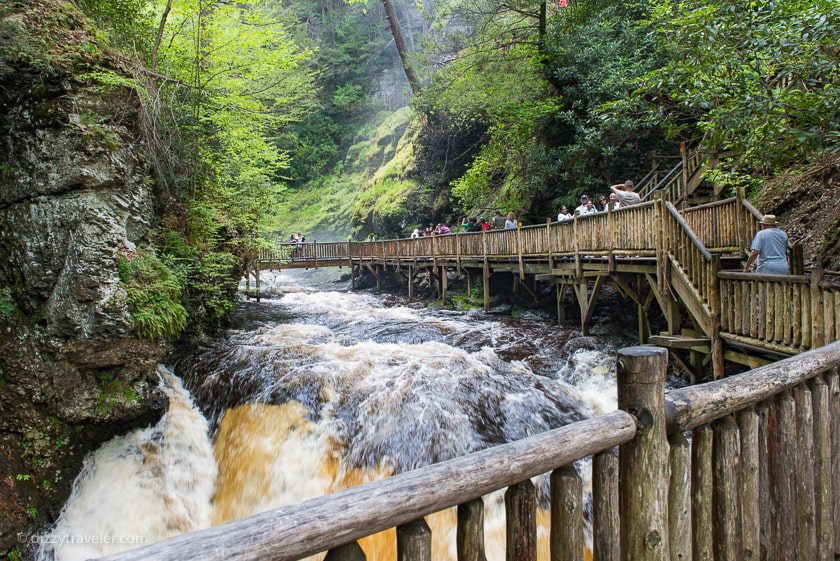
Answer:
(625, 193)
(769, 247)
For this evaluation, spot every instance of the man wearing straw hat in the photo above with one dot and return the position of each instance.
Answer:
(769, 247)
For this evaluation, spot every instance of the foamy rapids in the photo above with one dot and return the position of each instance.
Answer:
(319, 390)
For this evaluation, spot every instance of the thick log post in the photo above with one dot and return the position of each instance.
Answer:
(643, 462)
(679, 498)
(352, 276)
(833, 381)
(470, 532)
(750, 504)
(469, 282)
(444, 281)
(521, 515)
(349, 552)
(701, 491)
(766, 473)
(823, 492)
(806, 516)
(257, 274)
(727, 520)
(605, 523)
(784, 486)
(566, 542)
(414, 541)
(818, 314)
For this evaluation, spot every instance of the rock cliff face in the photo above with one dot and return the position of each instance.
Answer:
(73, 190)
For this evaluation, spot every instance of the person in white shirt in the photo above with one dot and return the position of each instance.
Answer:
(511, 223)
(613, 204)
(415, 234)
(626, 195)
(581, 209)
(590, 209)
(564, 214)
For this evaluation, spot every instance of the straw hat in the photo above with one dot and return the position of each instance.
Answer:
(768, 220)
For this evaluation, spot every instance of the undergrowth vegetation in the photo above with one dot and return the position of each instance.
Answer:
(152, 294)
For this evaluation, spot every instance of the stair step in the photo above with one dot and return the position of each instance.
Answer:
(681, 342)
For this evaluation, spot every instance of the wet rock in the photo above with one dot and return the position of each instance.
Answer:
(578, 343)
(74, 189)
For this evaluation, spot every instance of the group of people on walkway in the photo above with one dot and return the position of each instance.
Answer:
(471, 224)
(621, 195)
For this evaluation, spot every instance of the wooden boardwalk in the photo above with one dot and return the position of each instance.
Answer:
(686, 263)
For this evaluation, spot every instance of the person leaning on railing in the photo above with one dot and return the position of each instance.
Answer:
(769, 248)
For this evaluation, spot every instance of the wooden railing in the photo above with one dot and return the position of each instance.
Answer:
(718, 225)
(691, 255)
(674, 184)
(758, 479)
(786, 313)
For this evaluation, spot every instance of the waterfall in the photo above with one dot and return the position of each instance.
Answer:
(320, 389)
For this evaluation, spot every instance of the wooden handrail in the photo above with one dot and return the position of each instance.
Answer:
(752, 210)
(688, 232)
(665, 180)
(316, 525)
(712, 204)
(739, 275)
(692, 406)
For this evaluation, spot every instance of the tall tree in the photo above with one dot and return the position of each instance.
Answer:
(399, 41)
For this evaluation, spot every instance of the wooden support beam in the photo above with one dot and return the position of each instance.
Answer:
(641, 311)
(561, 308)
(586, 314)
(485, 279)
(352, 276)
(257, 274)
(469, 282)
(410, 283)
(444, 280)
(582, 294)
(654, 290)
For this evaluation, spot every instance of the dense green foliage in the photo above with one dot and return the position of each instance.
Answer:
(539, 96)
(265, 115)
(219, 84)
(758, 81)
(152, 293)
(581, 98)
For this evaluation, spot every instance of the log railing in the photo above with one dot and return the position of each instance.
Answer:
(785, 313)
(718, 225)
(691, 255)
(757, 480)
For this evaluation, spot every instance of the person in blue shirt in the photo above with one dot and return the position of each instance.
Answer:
(769, 248)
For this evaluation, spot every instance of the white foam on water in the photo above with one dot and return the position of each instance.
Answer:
(139, 488)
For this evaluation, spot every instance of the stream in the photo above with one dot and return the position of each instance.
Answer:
(317, 389)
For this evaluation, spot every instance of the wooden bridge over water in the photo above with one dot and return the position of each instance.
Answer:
(687, 263)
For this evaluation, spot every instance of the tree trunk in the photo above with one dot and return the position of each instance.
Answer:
(396, 31)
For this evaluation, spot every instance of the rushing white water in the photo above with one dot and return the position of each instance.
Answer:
(139, 488)
(322, 389)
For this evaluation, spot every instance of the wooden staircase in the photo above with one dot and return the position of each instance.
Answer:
(684, 184)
